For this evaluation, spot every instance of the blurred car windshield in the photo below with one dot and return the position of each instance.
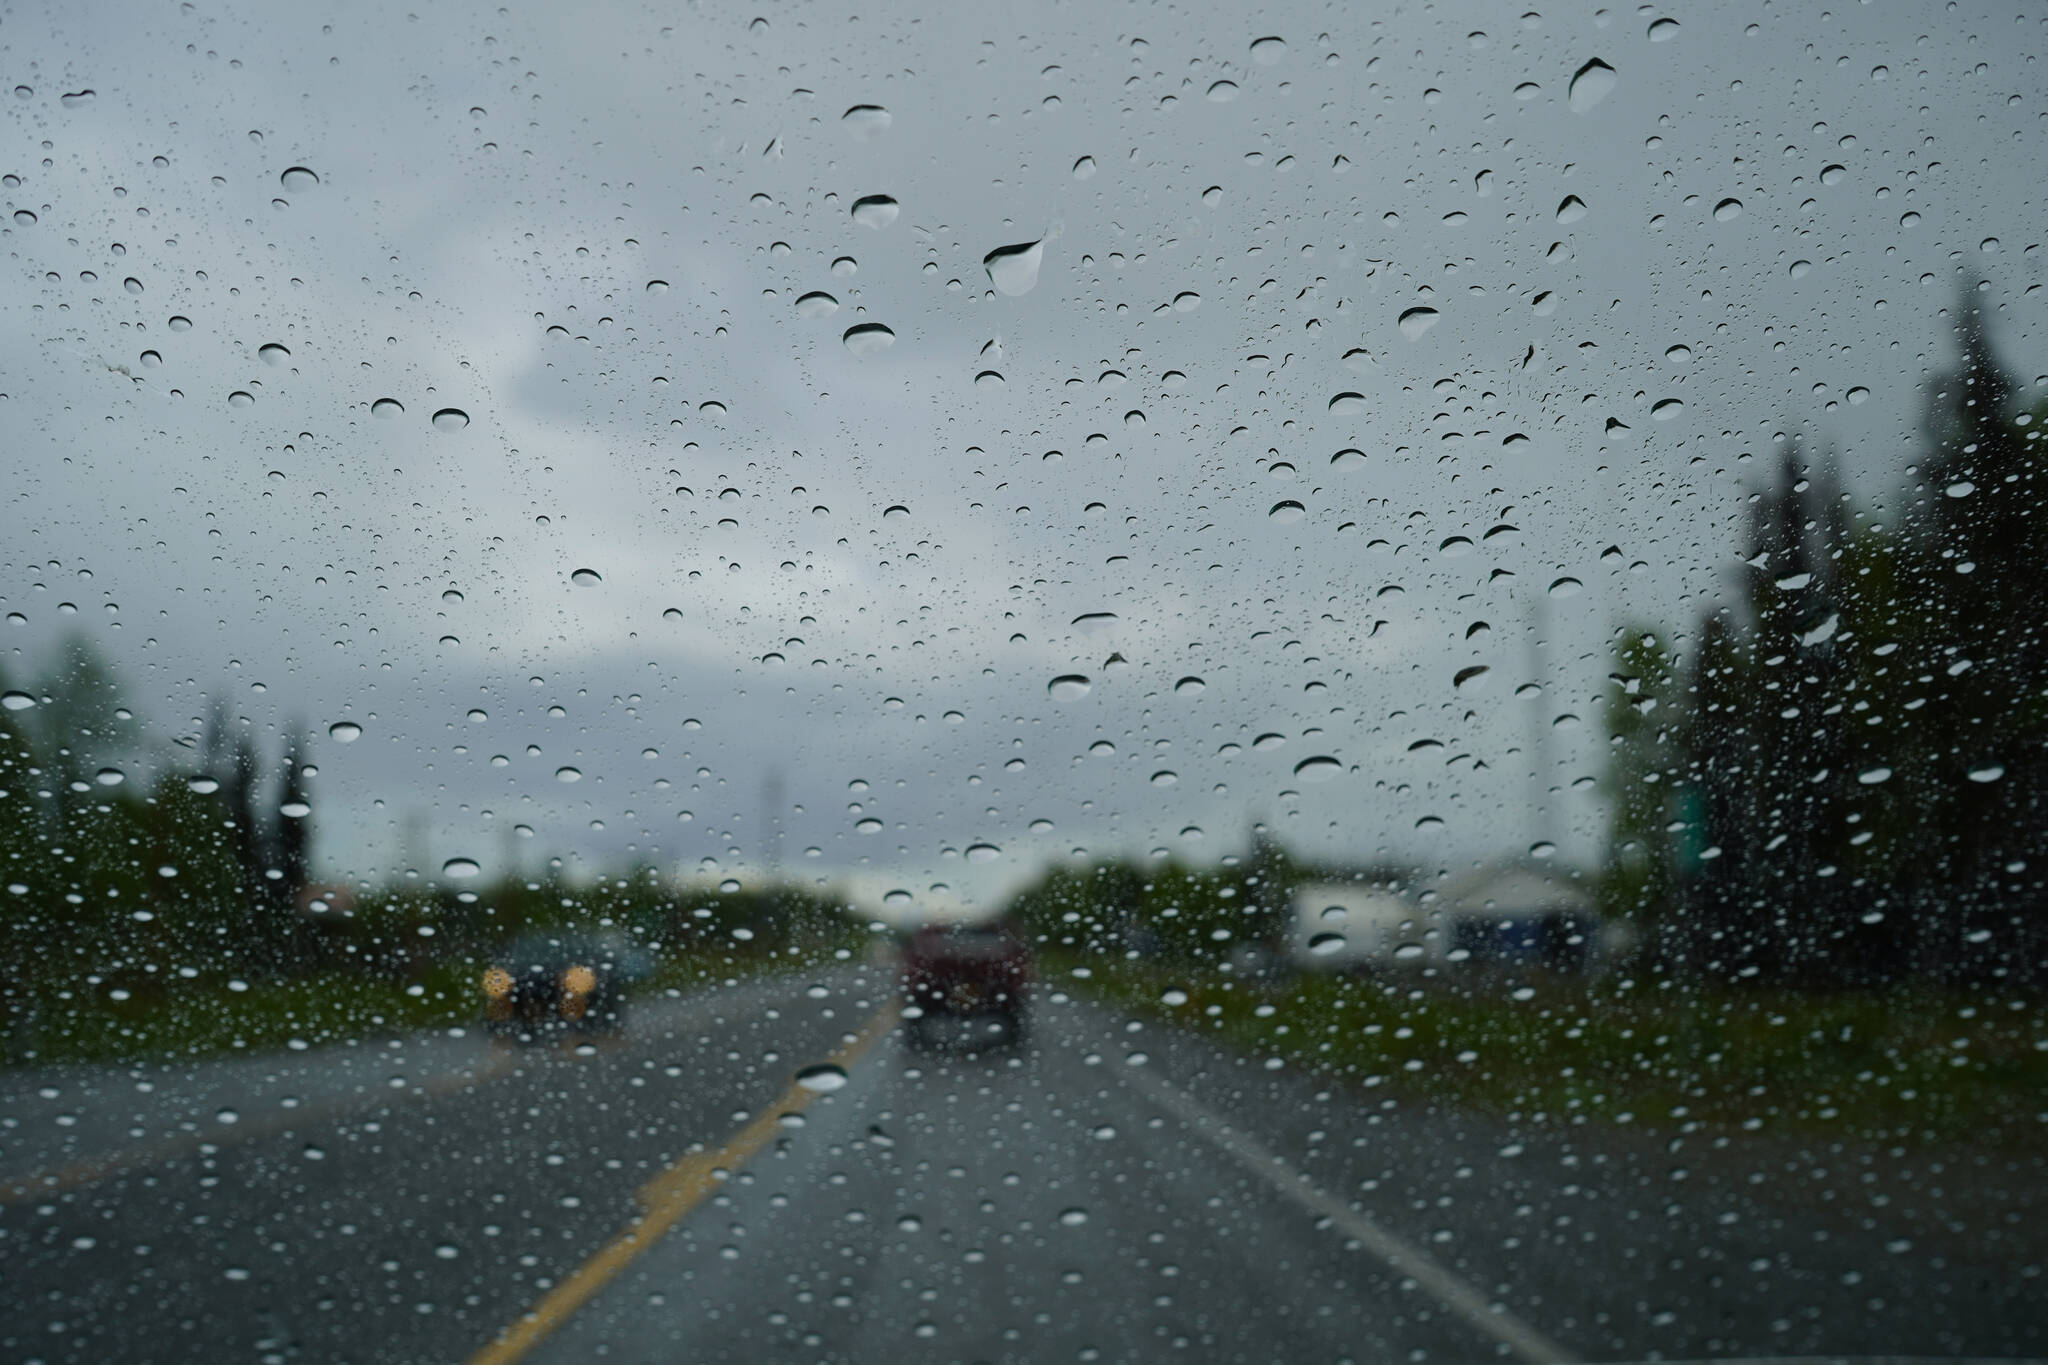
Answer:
(1089, 682)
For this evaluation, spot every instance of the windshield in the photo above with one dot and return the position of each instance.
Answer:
(1446, 599)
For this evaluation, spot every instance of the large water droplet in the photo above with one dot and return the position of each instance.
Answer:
(1068, 687)
(816, 304)
(1565, 587)
(586, 578)
(1268, 51)
(1014, 269)
(271, 353)
(1321, 768)
(344, 732)
(868, 338)
(1322, 945)
(241, 398)
(450, 419)
(386, 408)
(298, 178)
(1223, 92)
(1348, 404)
(824, 1078)
(875, 210)
(1287, 511)
(1727, 210)
(567, 774)
(1571, 210)
(1084, 169)
(983, 853)
(1416, 321)
(1663, 30)
(1348, 459)
(866, 120)
(204, 786)
(460, 869)
(1592, 83)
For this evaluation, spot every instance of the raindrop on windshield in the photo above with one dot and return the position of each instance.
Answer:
(1068, 687)
(1416, 321)
(1014, 269)
(866, 120)
(823, 1078)
(1591, 84)
(875, 210)
(1321, 768)
(386, 408)
(344, 732)
(298, 178)
(460, 869)
(450, 419)
(868, 338)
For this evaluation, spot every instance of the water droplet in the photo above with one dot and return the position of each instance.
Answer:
(1094, 622)
(823, 1078)
(1565, 587)
(1590, 84)
(844, 265)
(344, 732)
(1727, 210)
(1073, 1218)
(1664, 409)
(866, 120)
(1268, 51)
(983, 853)
(1472, 675)
(1084, 169)
(77, 99)
(1187, 301)
(204, 786)
(460, 869)
(1678, 355)
(1066, 687)
(151, 359)
(566, 774)
(1416, 321)
(1321, 768)
(110, 777)
(1833, 174)
(1348, 459)
(1870, 777)
(1190, 686)
(816, 304)
(586, 578)
(179, 323)
(875, 210)
(657, 286)
(1287, 511)
(1223, 92)
(868, 338)
(1663, 30)
(227, 1116)
(24, 218)
(1988, 772)
(241, 398)
(386, 408)
(295, 810)
(1348, 404)
(989, 379)
(1857, 395)
(298, 178)
(1322, 945)
(450, 419)
(1571, 210)
(1013, 270)
(270, 353)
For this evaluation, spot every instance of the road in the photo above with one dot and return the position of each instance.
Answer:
(1113, 1191)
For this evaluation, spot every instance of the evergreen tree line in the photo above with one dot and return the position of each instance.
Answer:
(1844, 780)
(116, 861)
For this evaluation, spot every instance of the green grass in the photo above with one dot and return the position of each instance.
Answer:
(217, 1014)
(1916, 1064)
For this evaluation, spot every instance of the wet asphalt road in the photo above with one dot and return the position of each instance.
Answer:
(1109, 1192)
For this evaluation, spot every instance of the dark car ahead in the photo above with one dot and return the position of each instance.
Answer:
(546, 985)
(966, 985)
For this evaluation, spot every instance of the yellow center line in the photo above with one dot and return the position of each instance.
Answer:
(665, 1201)
(22, 1189)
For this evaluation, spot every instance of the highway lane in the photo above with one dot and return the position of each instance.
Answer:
(1115, 1191)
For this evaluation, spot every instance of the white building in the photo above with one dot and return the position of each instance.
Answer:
(1342, 926)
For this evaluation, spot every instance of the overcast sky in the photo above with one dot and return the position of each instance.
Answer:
(593, 232)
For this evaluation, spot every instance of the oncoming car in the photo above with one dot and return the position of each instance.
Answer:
(545, 985)
(966, 985)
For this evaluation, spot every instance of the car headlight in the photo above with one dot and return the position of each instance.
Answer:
(577, 984)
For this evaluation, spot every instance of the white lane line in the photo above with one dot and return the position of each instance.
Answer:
(1401, 1256)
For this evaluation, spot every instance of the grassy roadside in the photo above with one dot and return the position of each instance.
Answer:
(207, 1016)
(1914, 1066)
